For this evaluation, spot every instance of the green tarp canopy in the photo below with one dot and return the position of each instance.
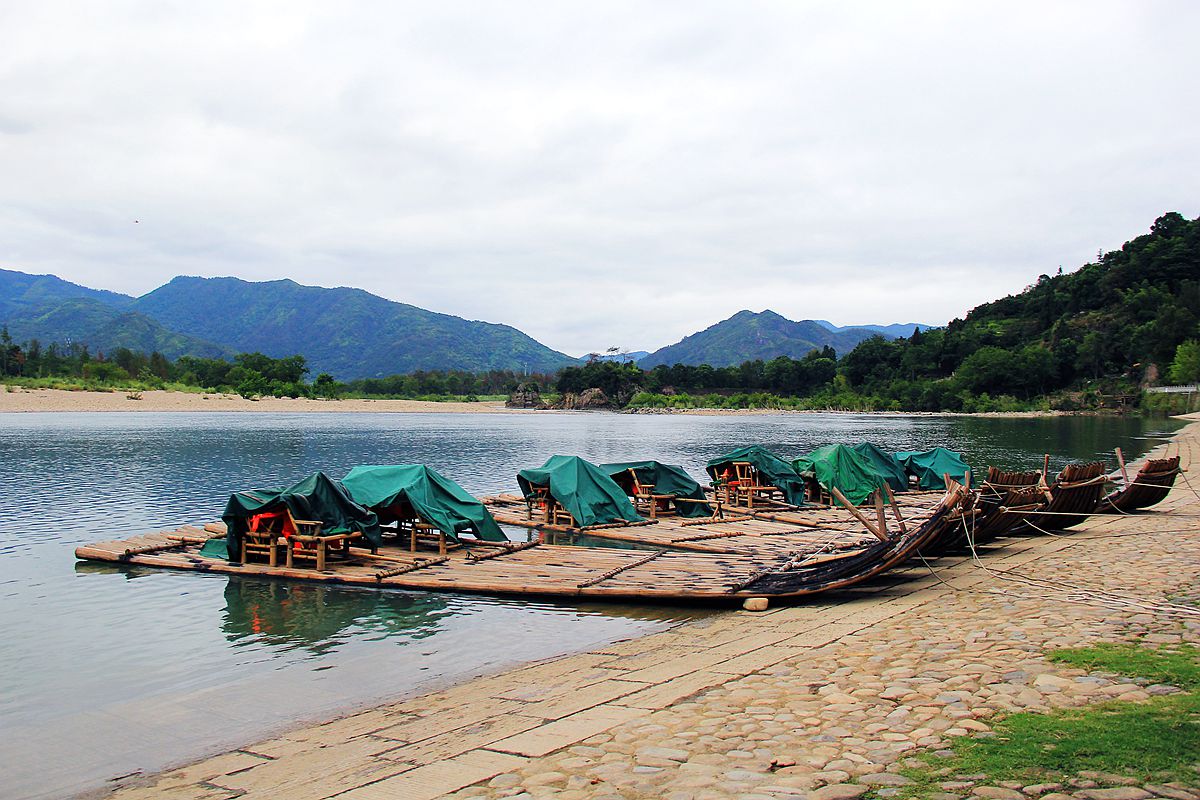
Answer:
(885, 464)
(666, 479)
(930, 465)
(435, 498)
(838, 466)
(775, 469)
(317, 497)
(582, 488)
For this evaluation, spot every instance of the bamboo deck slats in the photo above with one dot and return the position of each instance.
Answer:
(570, 571)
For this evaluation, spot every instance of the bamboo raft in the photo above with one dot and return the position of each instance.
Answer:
(756, 531)
(1151, 485)
(775, 551)
(552, 570)
(1070, 500)
(1004, 499)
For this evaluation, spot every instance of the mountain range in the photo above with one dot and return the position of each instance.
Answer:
(348, 333)
(747, 336)
(351, 333)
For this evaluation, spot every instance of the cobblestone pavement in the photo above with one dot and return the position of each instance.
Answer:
(825, 700)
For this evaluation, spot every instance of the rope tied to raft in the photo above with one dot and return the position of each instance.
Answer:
(1061, 590)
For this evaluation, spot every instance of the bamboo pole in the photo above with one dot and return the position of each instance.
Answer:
(617, 570)
(502, 551)
(880, 517)
(857, 515)
(895, 508)
(421, 564)
(1121, 462)
(140, 550)
(687, 523)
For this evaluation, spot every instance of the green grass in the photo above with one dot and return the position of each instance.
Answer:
(70, 384)
(1179, 666)
(1158, 740)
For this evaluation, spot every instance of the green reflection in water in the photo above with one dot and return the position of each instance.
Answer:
(291, 614)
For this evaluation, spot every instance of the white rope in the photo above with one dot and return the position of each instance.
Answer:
(1072, 594)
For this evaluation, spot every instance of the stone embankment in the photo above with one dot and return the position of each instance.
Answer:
(825, 701)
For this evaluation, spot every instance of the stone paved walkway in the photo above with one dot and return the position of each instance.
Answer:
(823, 700)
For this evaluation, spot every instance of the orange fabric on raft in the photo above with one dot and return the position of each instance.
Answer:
(262, 522)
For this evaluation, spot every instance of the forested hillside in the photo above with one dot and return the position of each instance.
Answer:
(49, 310)
(1111, 325)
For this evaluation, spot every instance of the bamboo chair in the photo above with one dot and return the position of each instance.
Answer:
(748, 487)
(647, 502)
(265, 541)
(410, 530)
(309, 544)
(557, 515)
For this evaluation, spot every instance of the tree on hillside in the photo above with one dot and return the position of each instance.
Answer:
(1185, 367)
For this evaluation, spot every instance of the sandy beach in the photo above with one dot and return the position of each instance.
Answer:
(32, 400)
(41, 400)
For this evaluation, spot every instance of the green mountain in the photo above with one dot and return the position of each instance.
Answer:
(21, 292)
(348, 333)
(747, 336)
(49, 309)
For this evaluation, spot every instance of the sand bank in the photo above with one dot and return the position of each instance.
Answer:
(26, 400)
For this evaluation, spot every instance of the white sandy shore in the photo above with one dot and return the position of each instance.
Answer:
(26, 400)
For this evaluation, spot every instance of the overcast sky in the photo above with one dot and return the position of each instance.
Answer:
(596, 174)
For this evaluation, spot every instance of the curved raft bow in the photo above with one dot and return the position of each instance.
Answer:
(811, 573)
(1150, 486)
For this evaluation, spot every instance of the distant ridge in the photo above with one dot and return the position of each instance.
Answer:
(632, 355)
(899, 330)
(747, 336)
(349, 333)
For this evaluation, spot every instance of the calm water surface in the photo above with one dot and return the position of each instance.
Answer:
(107, 670)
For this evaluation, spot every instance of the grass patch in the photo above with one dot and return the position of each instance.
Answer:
(1158, 740)
(1179, 666)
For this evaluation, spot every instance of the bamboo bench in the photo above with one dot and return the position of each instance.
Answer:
(313, 546)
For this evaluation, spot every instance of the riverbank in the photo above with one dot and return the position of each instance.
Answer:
(753, 411)
(39, 400)
(22, 400)
(829, 700)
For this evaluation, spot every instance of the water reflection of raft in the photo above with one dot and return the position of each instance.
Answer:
(551, 570)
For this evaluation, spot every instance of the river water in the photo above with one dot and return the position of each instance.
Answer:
(106, 670)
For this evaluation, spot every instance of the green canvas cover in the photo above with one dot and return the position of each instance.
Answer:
(582, 488)
(317, 497)
(885, 464)
(666, 479)
(776, 470)
(930, 465)
(838, 466)
(438, 500)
